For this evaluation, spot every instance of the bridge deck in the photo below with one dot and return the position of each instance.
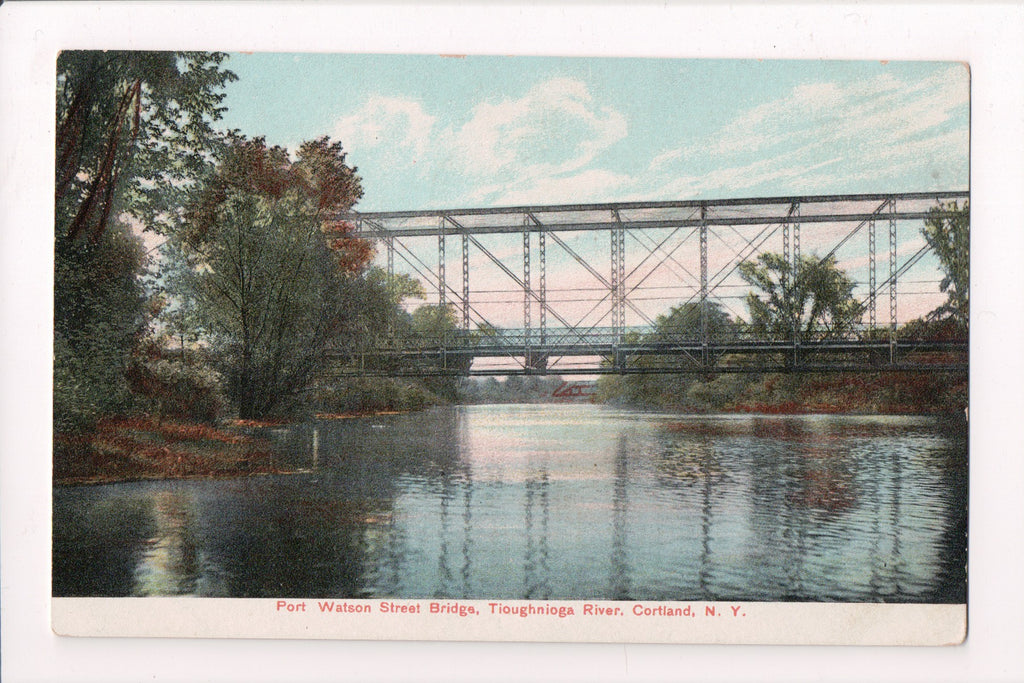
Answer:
(657, 357)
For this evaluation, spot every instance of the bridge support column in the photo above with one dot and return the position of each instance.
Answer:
(892, 281)
(542, 247)
(441, 294)
(465, 282)
(795, 217)
(526, 282)
(704, 332)
(618, 273)
(389, 243)
(872, 280)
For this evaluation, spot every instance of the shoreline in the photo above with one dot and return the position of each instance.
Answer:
(141, 449)
(103, 480)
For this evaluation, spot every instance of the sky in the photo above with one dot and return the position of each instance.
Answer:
(430, 132)
(444, 132)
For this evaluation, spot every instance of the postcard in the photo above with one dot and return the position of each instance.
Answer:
(504, 343)
(470, 347)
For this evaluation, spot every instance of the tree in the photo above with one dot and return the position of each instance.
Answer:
(816, 302)
(274, 280)
(434, 324)
(100, 314)
(132, 128)
(684, 322)
(947, 231)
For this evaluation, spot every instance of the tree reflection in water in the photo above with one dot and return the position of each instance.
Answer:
(548, 502)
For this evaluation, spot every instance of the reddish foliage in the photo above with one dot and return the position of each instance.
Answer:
(319, 179)
(124, 448)
(352, 253)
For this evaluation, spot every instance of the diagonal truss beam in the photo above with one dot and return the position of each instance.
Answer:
(680, 220)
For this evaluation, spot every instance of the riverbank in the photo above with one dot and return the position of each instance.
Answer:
(897, 393)
(123, 449)
(142, 448)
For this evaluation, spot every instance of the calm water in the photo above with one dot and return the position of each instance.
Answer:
(547, 502)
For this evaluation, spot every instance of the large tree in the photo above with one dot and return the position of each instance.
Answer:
(815, 302)
(132, 129)
(948, 231)
(274, 279)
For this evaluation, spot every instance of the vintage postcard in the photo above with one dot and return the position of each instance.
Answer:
(466, 347)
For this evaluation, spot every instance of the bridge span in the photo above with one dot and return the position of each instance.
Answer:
(586, 289)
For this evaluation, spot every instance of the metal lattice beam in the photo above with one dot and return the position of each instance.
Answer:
(662, 229)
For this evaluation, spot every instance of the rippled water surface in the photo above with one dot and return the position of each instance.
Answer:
(547, 502)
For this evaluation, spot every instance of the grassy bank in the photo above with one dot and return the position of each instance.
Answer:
(902, 393)
(141, 448)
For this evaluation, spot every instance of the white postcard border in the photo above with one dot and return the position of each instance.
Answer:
(599, 621)
(986, 36)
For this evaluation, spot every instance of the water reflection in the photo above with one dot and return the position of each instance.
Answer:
(619, 579)
(169, 563)
(547, 502)
(535, 562)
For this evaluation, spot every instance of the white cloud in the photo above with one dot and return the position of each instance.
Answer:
(825, 135)
(398, 125)
(554, 129)
(538, 148)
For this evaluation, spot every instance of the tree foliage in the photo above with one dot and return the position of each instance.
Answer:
(433, 324)
(948, 231)
(666, 389)
(132, 128)
(684, 322)
(816, 302)
(100, 314)
(273, 278)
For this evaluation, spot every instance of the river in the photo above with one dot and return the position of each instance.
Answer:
(557, 501)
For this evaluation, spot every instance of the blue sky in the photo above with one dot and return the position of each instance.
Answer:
(441, 132)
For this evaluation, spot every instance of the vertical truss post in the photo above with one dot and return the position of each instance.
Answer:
(788, 281)
(389, 247)
(389, 243)
(795, 217)
(442, 295)
(704, 284)
(618, 280)
(872, 280)
(892, 280)
(526, 281)
(796, 239)
(541, 237)
(621, 265)
(465, 282)
(787, 272)
(614, 271)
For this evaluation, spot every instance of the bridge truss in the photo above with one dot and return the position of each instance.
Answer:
(587, 288)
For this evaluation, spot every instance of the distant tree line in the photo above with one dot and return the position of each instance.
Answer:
(814, 301)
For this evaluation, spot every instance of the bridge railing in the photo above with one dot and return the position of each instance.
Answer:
(599, 338)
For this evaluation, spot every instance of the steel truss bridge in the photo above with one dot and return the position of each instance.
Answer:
(584, 289)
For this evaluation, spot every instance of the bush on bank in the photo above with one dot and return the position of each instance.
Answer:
(879, 392)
